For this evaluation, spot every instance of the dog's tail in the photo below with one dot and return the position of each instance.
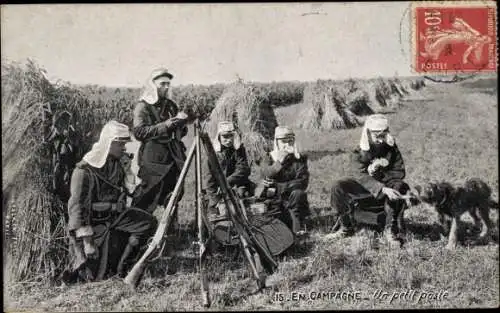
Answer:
(493, 204)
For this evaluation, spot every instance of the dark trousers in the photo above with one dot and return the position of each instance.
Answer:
(395, 209)
(158, 194)
(296, 208)
(110, 238)
(345, 192)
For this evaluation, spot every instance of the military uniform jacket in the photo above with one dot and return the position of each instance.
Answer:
(292, 174)
(234, 164)
(161, 148)
(384, 177)
(88, 188)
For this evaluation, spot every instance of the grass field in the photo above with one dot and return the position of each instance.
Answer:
(445, 132)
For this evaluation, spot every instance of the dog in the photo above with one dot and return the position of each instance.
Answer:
(452, 202)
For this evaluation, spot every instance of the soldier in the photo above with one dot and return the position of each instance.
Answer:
(382, 171)
(286, 170)
(159, 126)
(98, 214)
(64, 144)
(232, 157)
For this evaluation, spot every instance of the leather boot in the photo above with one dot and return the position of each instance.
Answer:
(133, 241)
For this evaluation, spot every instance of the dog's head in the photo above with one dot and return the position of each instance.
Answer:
(432, 192)
(477, 188)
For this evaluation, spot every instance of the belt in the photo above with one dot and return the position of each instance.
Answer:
(102, 211)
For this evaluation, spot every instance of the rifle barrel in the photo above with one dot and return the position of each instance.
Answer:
(199, 207)
(136, 272)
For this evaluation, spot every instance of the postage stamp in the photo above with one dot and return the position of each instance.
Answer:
(454, 37)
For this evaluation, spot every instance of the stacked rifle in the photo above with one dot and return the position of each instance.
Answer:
(258, 255)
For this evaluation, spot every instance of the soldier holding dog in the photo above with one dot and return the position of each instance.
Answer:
(382, 171)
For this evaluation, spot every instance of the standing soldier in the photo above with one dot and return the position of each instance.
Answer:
(382, 171)
(64, 145)
(232, 157)
(97, 211)
(285, 170)
(159, 126)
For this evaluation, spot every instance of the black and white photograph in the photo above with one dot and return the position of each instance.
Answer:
(250, 156)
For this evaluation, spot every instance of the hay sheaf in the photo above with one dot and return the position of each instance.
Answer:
(35, 216)
(251, 113)
(327, 106)
(343, 104)
(357, 98)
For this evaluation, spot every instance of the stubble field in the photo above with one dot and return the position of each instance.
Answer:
(445, 132)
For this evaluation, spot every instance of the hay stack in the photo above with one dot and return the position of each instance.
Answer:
(242, 104)
(313, 114)
(400, 87)
(326, 107)
(376, 101)
(406, 86)
(357, 99)
(36, 217)
(394, 89)
(386, 93)
(331, 117)
(418, 83)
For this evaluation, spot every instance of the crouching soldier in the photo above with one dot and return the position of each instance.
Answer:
(285, 170)
(380, 183)
(104, 234)
(232, 157)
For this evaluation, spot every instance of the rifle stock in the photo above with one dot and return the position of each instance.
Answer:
(135, 273)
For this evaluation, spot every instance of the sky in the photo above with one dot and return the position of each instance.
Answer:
(120, 44)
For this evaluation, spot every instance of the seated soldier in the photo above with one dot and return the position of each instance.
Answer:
(382, 171)
(97, 211)
(232, 157)
(286, 171)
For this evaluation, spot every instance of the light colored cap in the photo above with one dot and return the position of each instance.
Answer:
(281, 132)
(376, 122)
(225, 127)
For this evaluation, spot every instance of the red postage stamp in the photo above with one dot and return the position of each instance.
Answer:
(453, 37)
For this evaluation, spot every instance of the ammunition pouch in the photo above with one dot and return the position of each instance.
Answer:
(103, 211)
(225, 233)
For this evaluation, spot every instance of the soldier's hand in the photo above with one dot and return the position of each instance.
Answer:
(221, 208)
(392, 194)
(89, 248)
(380, 162)
(268, 182)
(372, 168)
(172, 122)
